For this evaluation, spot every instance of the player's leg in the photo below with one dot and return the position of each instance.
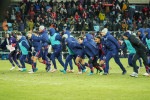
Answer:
(91, 61)
(68, 59)
(78, 59)
(145, 62)
(83, 63)
(108, 57)
(117, 60)
(15, 59)
(22, 61)
(11, 61)
(53, 60)
(130, 59)
(59, 57)
(135, 70)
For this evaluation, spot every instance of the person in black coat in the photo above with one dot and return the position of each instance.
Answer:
(141, 52)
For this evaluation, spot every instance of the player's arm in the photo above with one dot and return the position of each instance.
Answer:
(123, 46)
(25, 45)
(112, 39)
(58, 37)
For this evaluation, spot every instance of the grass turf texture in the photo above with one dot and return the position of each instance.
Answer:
(15, 85)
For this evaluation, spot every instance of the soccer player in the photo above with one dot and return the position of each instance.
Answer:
(112, 47)
(44, 42)
(35, 40)
(55, 40)
(90, 49)
(24, 46)
(147, 36)
(141, 52)
(102, 52)
(131, 52)
(11, 44)
(76, 53)
(141, 35)
(70, 56)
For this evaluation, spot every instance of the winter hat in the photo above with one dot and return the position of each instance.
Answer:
(105, 30)
(126, 34)
(42, 27)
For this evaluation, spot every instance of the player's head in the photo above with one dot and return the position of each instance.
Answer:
(19, 36)
(41, 28)
(138, 33)
(146, 33)
(98, 39)
(7, 35)
(104, 31)
(126, 35)
(29, 34)
(80, 39)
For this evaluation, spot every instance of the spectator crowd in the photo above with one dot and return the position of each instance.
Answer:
(80, 15)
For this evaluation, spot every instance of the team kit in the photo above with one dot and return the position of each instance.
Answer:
(98, 50)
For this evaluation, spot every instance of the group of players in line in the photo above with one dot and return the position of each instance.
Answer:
(100, 49)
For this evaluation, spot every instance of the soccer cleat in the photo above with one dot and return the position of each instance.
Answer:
(13, 68)
(124, 72)
(79, 73)
(100, 72)
(19, 69)
(146, 74)
(105, 73)
(134, 75)
(36, 69)
(71, 71)
(23, 69)
(31, 72)
(54, 70)
(90, 74)
(61, 70)
(84, 70)
(48, 68)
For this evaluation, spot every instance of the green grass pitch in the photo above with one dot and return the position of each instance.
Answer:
(15, 85)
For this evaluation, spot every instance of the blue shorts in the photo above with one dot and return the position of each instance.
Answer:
(38, 54)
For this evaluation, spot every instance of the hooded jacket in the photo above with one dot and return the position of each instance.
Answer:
(24, 45)
(137, 44)
(89, 46)
(35, 42)
(74, 46)
(55, 40)
(148, 38)
(111, 43)
(44, 38)
(142, 36)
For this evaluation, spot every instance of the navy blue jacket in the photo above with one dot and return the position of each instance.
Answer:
(111, 43)
(44, 38)
(52, 32)
(89, 46)
(35, 42)
(74, 46)
(142, 36)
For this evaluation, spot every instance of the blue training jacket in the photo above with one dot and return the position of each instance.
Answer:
(111, 43)
(142, 36)
(35, 41)
(44, 38)
(74, 46)
(89, 46)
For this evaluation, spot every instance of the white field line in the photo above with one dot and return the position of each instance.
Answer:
(29, 82)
